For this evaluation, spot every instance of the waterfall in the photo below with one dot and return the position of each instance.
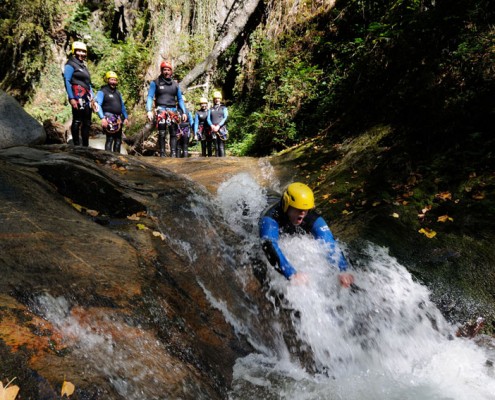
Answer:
(382, 340)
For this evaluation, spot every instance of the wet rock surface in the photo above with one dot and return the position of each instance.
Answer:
(17, 127)
(110, 265)
(116, 305)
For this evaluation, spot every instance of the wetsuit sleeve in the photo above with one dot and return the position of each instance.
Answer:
(180, 100)
(123, 110)
(99, 99)
(320, 230)
(191, 121)
(208, 119)
(68, 72)
(269, 238)
(225, 116)
(196, 124)
(151, 96)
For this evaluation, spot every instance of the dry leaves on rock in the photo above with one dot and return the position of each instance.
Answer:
(8, 392)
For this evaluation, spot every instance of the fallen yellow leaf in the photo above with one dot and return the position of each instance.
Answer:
(93, 213)
(133, 217)
(326, 196)
(444, 196)
(142, 227)
(67, 388)
(8, 392)
(395, 215)
(77, 207)
(428, 232)
(445, 218)
(159, 234)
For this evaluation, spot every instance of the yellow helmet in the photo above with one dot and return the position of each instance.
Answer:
(111, 74)
(217, 95)
(203, 100)
(78, 46)
(298, 195)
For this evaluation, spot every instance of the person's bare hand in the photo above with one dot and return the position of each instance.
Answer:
(299, 278)
(346, 279)
(104, 122)
(73, 103)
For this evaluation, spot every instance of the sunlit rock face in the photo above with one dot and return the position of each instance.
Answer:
(17, 127)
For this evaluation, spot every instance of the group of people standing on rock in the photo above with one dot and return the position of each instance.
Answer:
(165, 106)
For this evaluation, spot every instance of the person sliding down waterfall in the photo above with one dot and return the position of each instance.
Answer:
(295, 214)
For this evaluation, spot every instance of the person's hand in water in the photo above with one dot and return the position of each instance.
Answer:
(346, 279)
(299, 278)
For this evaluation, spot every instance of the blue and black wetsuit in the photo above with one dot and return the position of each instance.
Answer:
(274, 222)
(183, 136)
(112, 106)
(203, 132)
(78, 86)
(167, 94)
(217, 115)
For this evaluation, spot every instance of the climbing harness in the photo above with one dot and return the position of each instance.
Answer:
(82, 95)
(223, 133)
(114, 123)
(166, 118)
(183, 131)
(93, 103)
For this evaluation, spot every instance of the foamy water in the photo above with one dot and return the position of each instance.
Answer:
(384, 340)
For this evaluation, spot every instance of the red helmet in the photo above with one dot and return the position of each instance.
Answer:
(166, 64)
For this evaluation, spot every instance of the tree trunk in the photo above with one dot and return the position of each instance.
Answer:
(234, 29)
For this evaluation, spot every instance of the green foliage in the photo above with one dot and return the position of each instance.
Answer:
(25, 40)
(78, 27)
(285, 82)
(425, 65)
(129, 61)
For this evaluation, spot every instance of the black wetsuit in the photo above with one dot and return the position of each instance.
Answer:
(78, 87)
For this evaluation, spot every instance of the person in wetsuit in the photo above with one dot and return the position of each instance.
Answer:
(295, 214)
(184, 133)
(217, 118)
(112, 112)
(202, 131)
(166, 94)
(79, 91)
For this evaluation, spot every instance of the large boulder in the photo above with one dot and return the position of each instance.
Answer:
(17, 127)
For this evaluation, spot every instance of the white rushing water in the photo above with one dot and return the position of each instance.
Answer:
(384, 341)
